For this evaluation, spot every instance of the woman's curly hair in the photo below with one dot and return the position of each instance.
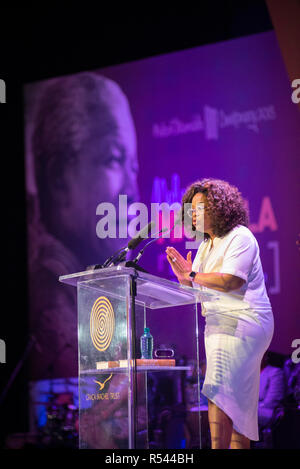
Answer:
(225, 205)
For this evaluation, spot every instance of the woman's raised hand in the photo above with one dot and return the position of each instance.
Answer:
(179, 264)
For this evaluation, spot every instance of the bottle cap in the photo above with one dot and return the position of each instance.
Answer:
(146, 330)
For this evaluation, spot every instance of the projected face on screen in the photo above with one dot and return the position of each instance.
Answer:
(85, 153)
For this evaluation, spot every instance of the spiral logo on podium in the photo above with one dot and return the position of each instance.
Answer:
(102, 323)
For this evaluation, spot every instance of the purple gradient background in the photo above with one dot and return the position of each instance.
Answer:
(237, 75)
(242, 76)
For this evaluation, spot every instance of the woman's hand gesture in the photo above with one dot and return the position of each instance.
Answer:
(180, 266)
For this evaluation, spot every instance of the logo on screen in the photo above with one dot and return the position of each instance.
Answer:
(102, 323)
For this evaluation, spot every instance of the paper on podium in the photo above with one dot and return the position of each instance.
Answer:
(139, 362)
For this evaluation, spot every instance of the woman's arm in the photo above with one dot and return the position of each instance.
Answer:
(187, 283)
(216, 280)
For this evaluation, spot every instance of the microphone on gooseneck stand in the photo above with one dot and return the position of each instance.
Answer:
(101, 266)
(120, 255)
(141, 236)
(105, 264)
(141, 252)
(133, 243)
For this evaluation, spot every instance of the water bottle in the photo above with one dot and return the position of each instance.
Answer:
(147, 344)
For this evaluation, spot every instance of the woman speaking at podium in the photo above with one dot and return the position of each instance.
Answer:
(236, 338)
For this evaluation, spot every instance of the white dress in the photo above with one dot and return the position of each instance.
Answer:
(238, 328)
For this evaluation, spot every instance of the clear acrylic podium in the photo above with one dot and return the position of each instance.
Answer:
(125, 402)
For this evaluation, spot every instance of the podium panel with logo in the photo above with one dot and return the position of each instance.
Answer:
(125, 401)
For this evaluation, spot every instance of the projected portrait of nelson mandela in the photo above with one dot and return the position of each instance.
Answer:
(84, 152)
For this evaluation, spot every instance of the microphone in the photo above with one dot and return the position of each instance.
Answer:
(110, 259)
(101, 266)
(163, 230)
(133, 243)
(141, 252)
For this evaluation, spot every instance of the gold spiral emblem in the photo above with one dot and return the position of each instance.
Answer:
(102, 323)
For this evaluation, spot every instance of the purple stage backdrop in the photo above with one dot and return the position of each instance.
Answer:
(148, 129)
